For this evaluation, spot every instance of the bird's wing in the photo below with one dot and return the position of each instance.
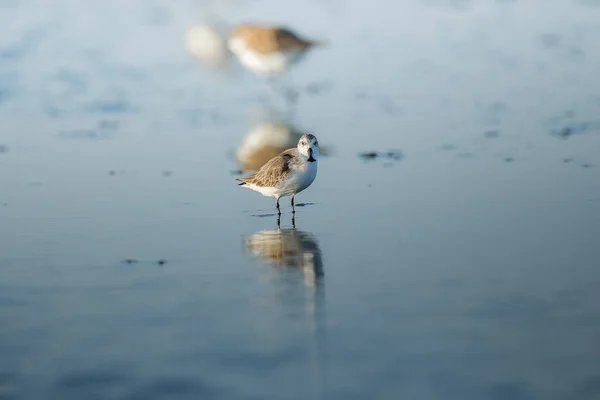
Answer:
(275, 171)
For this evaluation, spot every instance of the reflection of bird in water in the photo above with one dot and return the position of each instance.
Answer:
(267, 50)
(290, 248)
(294, 249)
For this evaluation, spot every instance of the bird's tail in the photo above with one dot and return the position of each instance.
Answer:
(316, 43)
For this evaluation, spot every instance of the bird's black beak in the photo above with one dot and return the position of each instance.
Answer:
(310, 157)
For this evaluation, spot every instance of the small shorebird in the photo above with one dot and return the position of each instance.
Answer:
(287, 174)
(267, 50)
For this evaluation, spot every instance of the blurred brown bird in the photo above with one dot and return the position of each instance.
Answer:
(267, 50)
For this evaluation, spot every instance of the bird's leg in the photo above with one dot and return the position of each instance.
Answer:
(293, 220)
(277, 205)
(293, 208)
(279, 221)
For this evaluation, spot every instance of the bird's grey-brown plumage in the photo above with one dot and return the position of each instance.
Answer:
(274, 171)
(267, 39)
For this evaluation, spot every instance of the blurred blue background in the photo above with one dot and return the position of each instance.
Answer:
(447, 249)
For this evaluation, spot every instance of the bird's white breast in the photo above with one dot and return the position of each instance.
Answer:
(304, 177)
(268, 63)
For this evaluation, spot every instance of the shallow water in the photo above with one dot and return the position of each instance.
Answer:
(463, 266)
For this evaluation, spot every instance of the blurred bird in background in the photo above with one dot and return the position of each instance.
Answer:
(266, 50)
(206, 42)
